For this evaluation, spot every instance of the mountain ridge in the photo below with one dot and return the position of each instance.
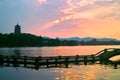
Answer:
(86, 39)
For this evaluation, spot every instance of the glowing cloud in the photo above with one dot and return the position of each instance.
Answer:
(57, 21)
(64, 18)
(93, 18)
(81, 3)
(42, 1)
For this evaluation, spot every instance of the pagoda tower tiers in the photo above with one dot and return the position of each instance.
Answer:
(17, 29)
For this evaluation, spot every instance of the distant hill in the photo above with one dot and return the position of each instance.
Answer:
(30, 40)
(86, 39)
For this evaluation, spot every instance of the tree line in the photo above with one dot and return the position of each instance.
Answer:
(24, 39)
(29, 40)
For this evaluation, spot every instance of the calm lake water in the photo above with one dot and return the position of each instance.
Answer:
(74, 72)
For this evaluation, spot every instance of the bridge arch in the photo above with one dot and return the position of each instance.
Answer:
(108, 53)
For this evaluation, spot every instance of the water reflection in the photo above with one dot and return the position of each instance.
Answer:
(54, 51)
(90, 72)
(73, 72)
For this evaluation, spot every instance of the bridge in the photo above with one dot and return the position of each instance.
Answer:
(58, 61)
(108, 53)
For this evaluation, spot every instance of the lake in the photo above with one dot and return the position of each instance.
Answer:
(74, 72)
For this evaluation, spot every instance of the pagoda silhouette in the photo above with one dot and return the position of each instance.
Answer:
(17, 29)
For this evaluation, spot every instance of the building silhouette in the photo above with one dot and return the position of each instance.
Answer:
(17, 29)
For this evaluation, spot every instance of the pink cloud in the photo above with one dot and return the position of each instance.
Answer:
(42, 1)
(80, 18)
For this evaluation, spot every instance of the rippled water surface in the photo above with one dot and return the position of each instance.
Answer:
(89, 72)
(74, 72)
(54, 51)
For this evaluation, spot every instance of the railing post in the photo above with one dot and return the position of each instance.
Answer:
(59, 57)
(37, 60)
(93, 58)
(15, 61)
(66, 62)
(115, 65)
(47, 63)
(40, 59)
(8, 61)
(85, 60)
(1, 59)
(115, 50)
(56, 62)
(105, 50)
(25, 61)
(36, 63)
(101, 59)
(76, 59)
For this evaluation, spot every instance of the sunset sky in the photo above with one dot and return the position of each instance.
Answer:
(62, 18)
